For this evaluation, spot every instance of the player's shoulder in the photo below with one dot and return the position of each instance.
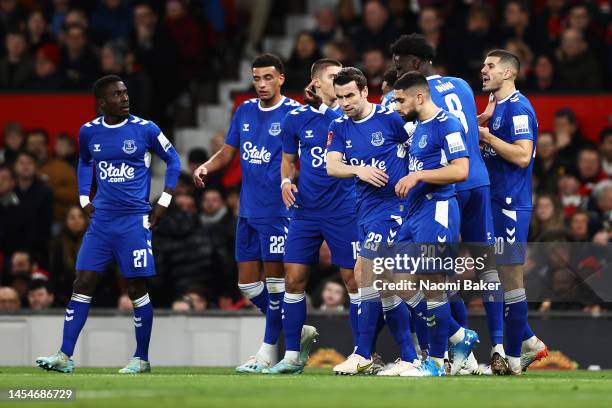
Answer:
(517, 102)
(138, 123)
(446, 121)
(291, 104)
(87, 127)
(247, 105)
(299, 112)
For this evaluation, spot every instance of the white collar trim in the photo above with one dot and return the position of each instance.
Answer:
(367, 117)
(271, 107)
(507, 97)
(433, 117)
(429, 78)
(114, 126)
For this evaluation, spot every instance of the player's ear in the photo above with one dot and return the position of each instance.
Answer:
(281, 79)
(316, 82)
(364, 91)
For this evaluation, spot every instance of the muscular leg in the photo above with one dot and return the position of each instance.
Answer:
(78, 309)
(143, 315)
(251, 286)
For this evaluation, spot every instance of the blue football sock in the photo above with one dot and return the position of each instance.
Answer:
(380, 324)
(143, 324)
(293, 318)
(458, 309)
(516, 320)
(438, 318)
(418, 315)
(74, 320)
(257, 293)
(397, 318)
(528, 332)
(369, 312)
(353, 316)
(274, 322)
(493, 301)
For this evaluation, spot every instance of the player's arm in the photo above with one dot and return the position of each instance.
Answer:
(371, 175)
(164, 149)
(288, 187)
(457, 170)
(519, 152)
(85, 172)
(488, 112)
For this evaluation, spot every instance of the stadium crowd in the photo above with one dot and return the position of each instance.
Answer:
(162, 48)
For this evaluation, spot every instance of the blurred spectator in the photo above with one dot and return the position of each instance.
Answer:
(568, 138)
(525, 56)
(579, 226)
(115, 59)
(9, 216)
(57, 14)
(79, 63)
(347, 17)
(47, 76)
(333, 296)
(578, 68)
(327, 29)
(340, 50)
(9, 298)
(377, 30)
(22, 267)
(13, 142)
(374, 65)
(602, 194)
(59, 175)
(543, 77)
(35, 208)
(180, 305)
(187, 37)
(12, 16)
(64, 250)
(192, 299)
(547, 167)
(216, 213)
(65, 149)
(431, 26)
(517, 25)
(195, 158)
(403, 18)
(17, 66)
(550, 20)
(547, 215)
(569, 192)
(589, 170)
(478, 37)
(38, 31)
(74, 16)
(40, 295)
(389, 78)
(111, 19)
(304, 54)
(579, 18)
(605, 149)
(233, 201)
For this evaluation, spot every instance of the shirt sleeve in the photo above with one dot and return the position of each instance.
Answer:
(401, 129)
(288, 134)
(85, 164)
(335, 139)
(452, 137)
(164, 149)
(233, 134)
(520, 122)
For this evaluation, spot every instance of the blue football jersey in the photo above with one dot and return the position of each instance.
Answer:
(121, 154)
(436, 142)
(304, 132)
(256, 132)
(513, 119)
(456, 96)
(378, 141)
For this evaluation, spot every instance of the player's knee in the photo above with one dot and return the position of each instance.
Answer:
(295, 283)
(136, 289)
(84, 284)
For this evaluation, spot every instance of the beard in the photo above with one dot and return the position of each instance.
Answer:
(410, 116)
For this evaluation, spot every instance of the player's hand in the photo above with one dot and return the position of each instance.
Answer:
(406, 184)
(483, 134)
(89, 209)
(373, 176)
(488, 112)
(199, 176)
(287, 193)
(156, 215)
(311, 97)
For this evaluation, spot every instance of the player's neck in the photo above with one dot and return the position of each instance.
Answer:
(428, 111)
(271, 102)
(365, 112)
(507, 89)
(113, 120)
(331, 102)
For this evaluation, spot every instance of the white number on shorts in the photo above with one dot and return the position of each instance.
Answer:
(355, 245)
(372, 241)
(140, 258)
(499, 245)
(277, 244)
(453, 103)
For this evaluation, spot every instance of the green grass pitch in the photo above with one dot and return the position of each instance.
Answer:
(316, 388)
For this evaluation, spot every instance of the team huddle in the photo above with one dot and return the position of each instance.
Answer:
(407, 171)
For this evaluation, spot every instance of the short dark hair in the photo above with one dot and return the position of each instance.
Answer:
(566, 113)
(413, 44)
(40, 283)
(506, 57)
(349, 74)
(38, 131)
(65, 136)
(605, 133)
(26, 153)
(522, 4)
(268, 60)
(390, 76)
(197, 155)
(99, 87)
(321, 64)
(411, 79)
(6, 167)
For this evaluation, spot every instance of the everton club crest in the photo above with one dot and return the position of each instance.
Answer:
(423, 141)
(129, 146)
(377, 139)
(497, 123)
(275, 129)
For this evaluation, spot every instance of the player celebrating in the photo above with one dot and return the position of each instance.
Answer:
(323, 209)
(371, 138)
(412, 52)
(120, 145)
(263, 218)
(438, 159)
(508, 153)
